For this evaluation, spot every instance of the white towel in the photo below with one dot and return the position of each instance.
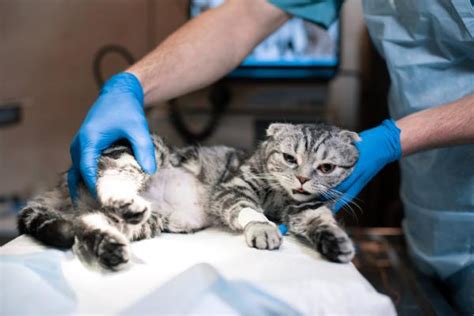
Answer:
(294, 274)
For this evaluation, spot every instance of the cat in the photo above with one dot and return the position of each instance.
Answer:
(288, 179)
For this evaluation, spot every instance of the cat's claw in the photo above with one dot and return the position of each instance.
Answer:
(262, 235)
(334, 244)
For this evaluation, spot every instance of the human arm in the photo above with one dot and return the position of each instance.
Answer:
(442, 126)
(447, 125)
(200, 52)
(206, 48)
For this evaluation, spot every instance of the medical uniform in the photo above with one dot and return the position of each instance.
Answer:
(428, 46)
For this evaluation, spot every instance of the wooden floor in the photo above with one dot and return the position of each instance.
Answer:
(383, 260)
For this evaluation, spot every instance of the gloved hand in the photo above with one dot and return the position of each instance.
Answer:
(378, 147)
(116, 114)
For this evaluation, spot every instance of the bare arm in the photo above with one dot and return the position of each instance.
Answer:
(206, 48)
(446, 125)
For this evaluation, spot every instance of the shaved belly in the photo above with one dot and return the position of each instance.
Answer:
(180, 198)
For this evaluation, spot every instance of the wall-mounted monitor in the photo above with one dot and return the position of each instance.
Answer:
(297, 50)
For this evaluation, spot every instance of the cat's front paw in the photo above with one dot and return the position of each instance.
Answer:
(333, 243)
(135, 210)
(262, 235)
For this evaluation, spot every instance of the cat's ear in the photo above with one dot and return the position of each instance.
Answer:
(276, 129)
(349, 137)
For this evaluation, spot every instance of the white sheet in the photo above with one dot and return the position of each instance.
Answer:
(294, 274)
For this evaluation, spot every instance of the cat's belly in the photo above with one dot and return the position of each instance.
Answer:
(180, 198)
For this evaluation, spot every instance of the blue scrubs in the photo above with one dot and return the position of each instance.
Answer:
(429, 49)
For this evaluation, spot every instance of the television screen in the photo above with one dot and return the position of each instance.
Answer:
(298, 49)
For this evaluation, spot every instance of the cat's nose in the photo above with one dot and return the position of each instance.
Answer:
(302, 180)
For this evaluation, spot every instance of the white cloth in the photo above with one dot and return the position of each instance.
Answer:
(293, 274)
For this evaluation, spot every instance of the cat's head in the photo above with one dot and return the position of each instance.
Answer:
(309, 160)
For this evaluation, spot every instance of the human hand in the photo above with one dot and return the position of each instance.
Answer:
(378, 146)
(116, 114)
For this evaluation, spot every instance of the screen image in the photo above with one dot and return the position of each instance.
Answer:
(297, 49)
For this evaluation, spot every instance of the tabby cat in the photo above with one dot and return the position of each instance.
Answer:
(289, 179)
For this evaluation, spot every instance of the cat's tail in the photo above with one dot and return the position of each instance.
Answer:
(46, 225)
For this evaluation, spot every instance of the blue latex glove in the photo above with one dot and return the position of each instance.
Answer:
(116, 114)
(378, 147)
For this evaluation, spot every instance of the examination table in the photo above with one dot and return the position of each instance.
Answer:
(209, 272)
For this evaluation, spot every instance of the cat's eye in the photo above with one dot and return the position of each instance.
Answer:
(290, 159)
(326, 168)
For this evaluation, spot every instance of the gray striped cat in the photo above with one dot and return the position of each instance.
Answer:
(289, 179)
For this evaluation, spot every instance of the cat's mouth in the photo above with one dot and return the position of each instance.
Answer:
(300, 191)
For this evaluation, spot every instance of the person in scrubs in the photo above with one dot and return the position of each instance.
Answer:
(428, 46)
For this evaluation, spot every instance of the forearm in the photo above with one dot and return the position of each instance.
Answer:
(446, 125)
(206, 48)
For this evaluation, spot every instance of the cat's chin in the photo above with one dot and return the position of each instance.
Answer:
(301, 197)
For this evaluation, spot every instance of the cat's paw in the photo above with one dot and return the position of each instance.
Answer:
(112, 253)
(134, 210)
(333, 243)
(108, 250)
(262, 235)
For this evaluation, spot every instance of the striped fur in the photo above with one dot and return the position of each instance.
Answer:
(197, 187)
(266, 183)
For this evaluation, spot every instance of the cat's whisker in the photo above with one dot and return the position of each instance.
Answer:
(351, 206)
(342, 194)
(349, 201)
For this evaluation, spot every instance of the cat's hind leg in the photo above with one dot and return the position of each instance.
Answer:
(98, 241)
(47, 218)
(46, 225)
(320, 229)
(119, 183)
